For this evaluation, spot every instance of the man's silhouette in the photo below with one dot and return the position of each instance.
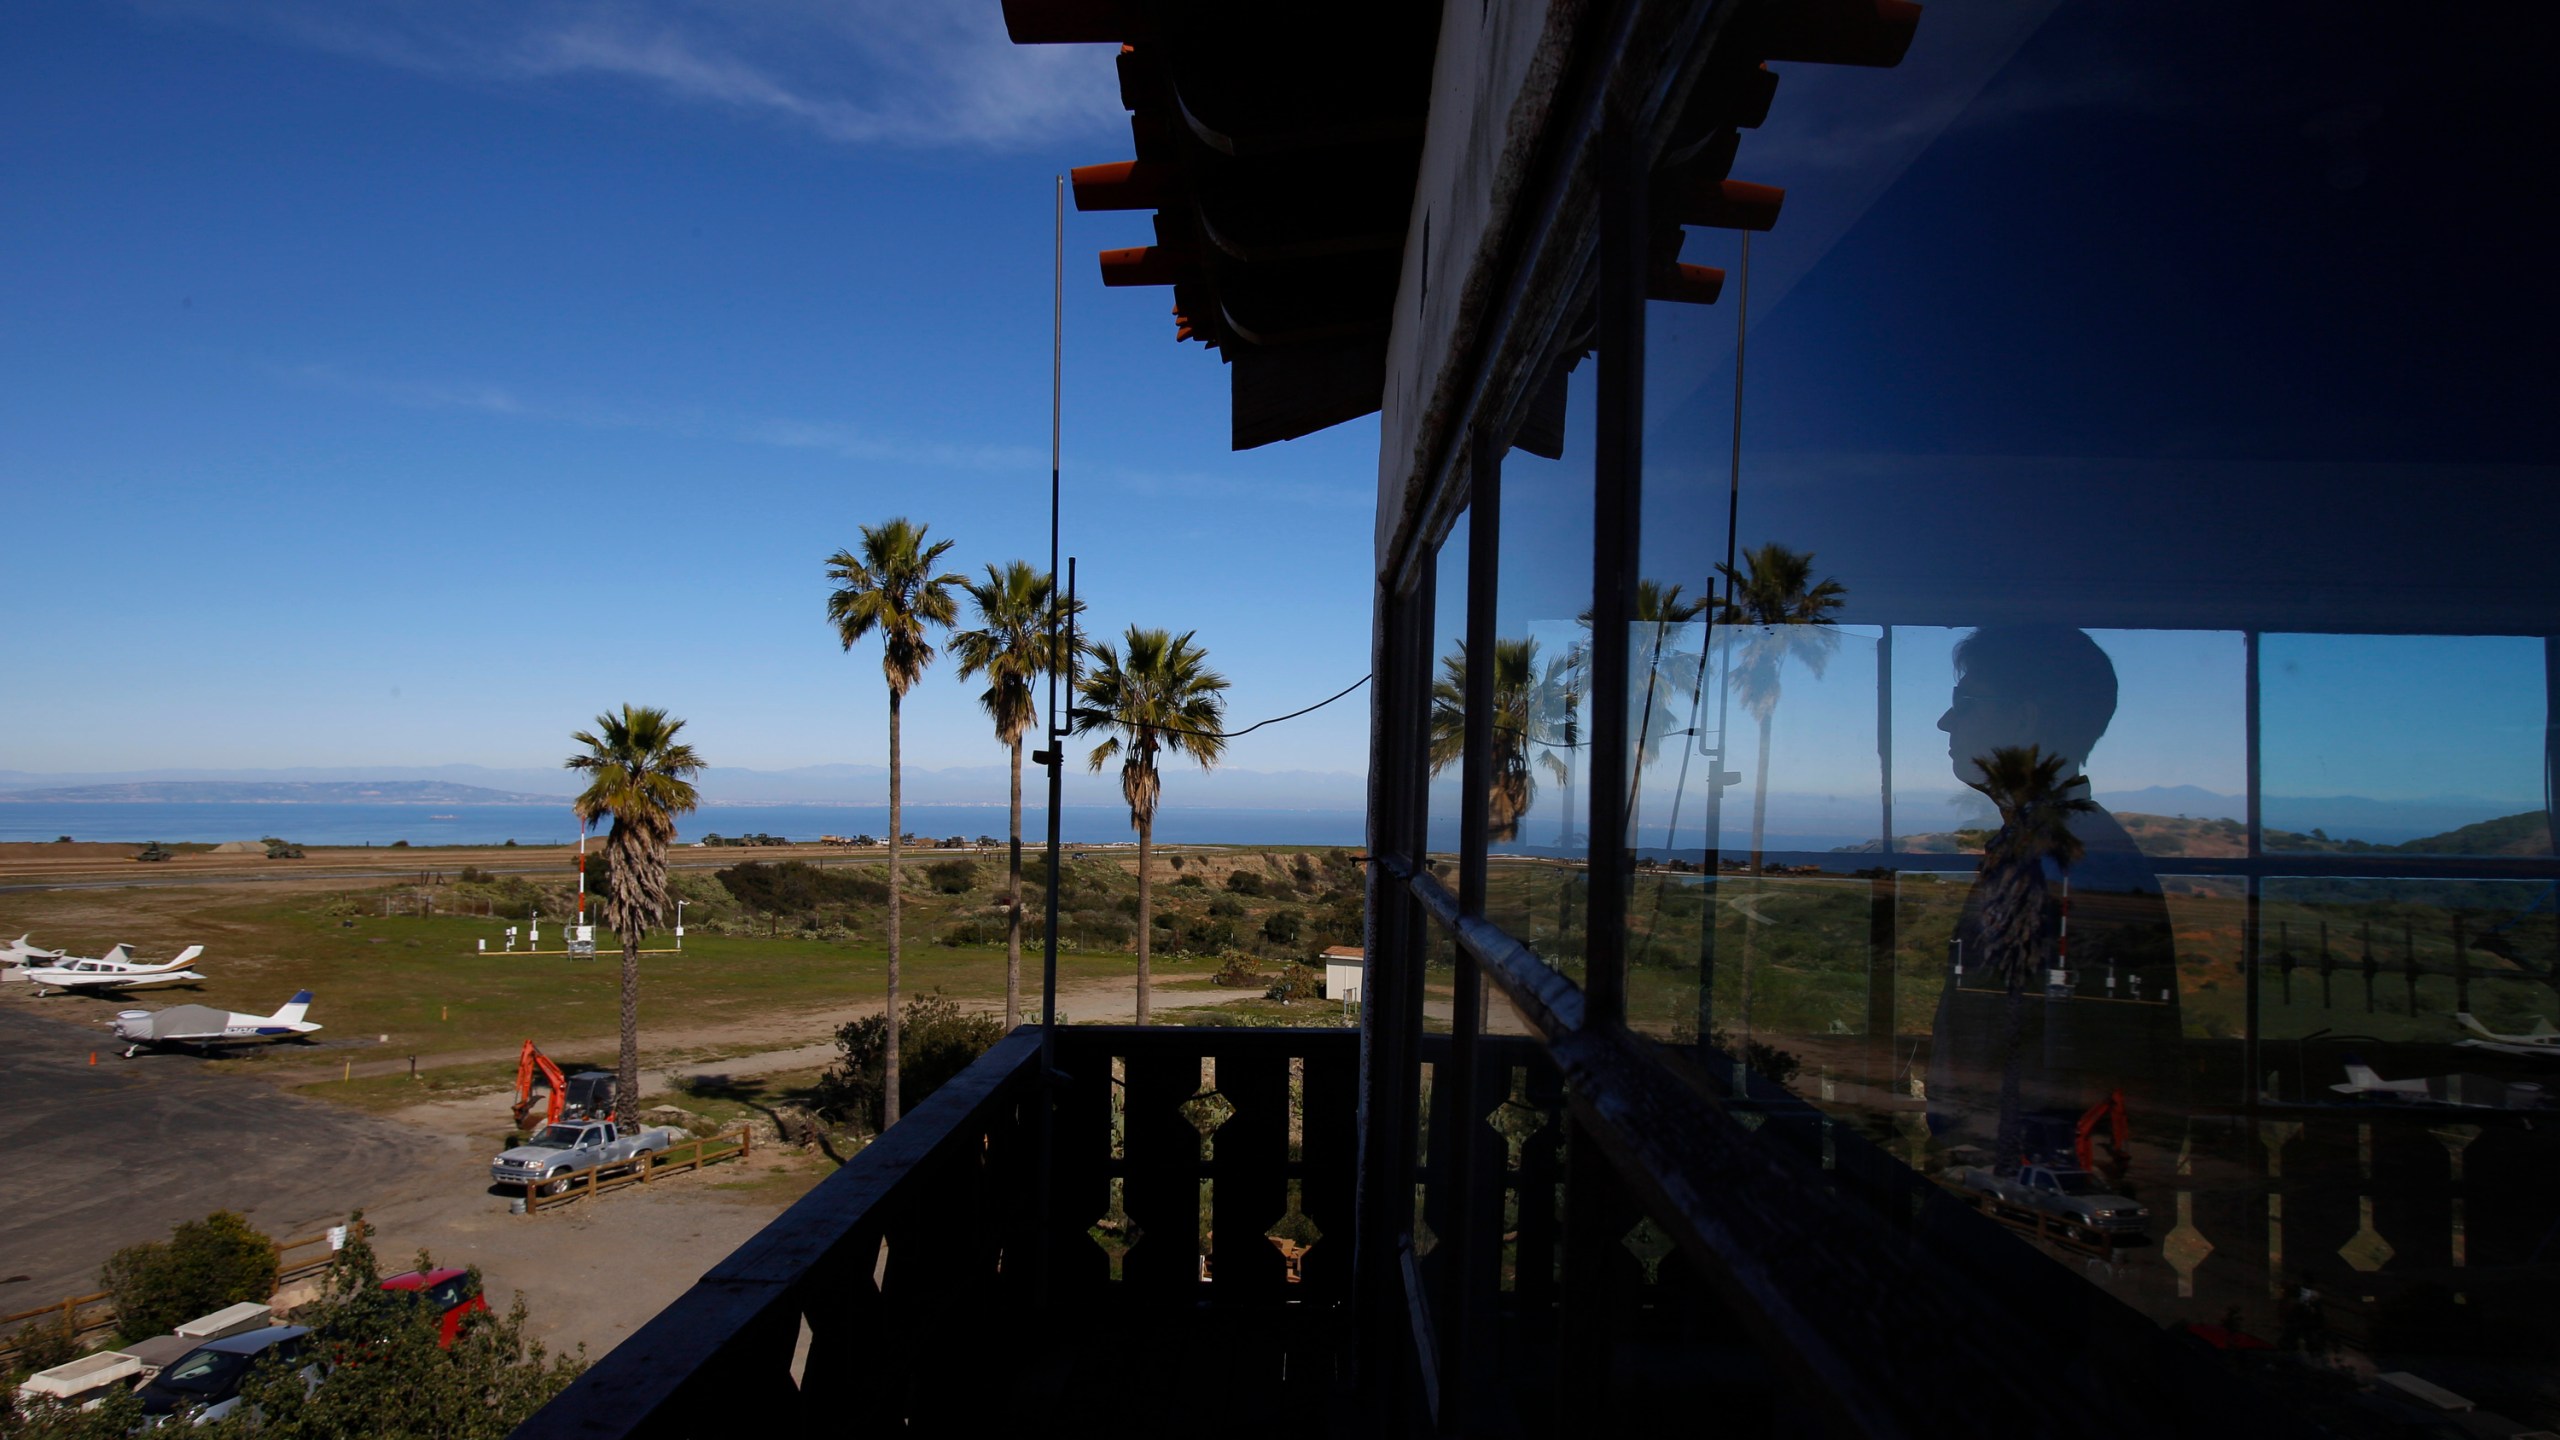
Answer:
(2109, 1021)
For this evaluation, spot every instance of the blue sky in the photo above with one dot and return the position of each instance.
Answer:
(396, 382)
(401, 383)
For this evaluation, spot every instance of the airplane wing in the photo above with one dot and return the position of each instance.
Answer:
(178, 1022)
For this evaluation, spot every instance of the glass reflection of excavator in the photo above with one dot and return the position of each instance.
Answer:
(587, 1095)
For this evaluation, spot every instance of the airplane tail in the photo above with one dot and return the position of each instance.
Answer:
(187, 954)
(293, 1009)
(2471, 1022)
(2361, 1075)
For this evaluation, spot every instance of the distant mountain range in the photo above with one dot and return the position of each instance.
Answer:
(276, 792)
(1185, 787)
(2527, 833)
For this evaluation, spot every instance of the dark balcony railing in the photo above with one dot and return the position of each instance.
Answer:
(1198, 1260)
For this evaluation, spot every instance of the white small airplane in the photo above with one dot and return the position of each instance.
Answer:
(17, 957)
(2540, 1042)
(2466, 1091)
(115, 970)
(205, 1027)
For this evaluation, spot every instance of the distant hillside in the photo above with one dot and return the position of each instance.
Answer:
(282, 792)
(2528, 833)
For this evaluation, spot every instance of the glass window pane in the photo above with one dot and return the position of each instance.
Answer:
(1536, 879)
(1448, 702)
(2408, 744)
(2070, 368)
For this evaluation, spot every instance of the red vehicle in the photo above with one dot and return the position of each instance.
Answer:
(451, 1292)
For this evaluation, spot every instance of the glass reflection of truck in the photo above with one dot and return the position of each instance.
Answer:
(2076, 1198)
(559, 1151)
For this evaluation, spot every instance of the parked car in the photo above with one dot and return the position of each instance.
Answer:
(559, 1151)
(204, 1384)
(450, 1292)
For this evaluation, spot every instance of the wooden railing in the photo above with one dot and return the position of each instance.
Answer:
(1189, 1169)
(681, 1157)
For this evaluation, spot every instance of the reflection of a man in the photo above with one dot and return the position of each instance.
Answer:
(2104, 1016)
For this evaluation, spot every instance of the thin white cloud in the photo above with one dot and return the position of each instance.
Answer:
(939, 74)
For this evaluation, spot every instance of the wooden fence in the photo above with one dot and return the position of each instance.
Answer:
(685, 1155)
(95, 1314)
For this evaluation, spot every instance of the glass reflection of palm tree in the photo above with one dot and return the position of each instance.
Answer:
(1516, 707)
(2036, 805)
(1787, 615)
(1558, 720)
(1664, 671)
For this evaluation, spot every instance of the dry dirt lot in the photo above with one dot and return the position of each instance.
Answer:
(100, 1157)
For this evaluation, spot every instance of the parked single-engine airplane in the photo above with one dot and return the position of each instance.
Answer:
(205, 1027)
(17, 957)
(115, 970)
(2541, 1042)
(2467, 1092)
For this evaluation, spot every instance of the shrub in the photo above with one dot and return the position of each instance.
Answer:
(1244, 882)
(42, 1346)
(1240, 972)
(1298, 982)
(390, 1377)
(796, 887)
(1303, 871)
(1225, 908)
(203, 1266)
(971, 932)
(399, 844)
(1280, 927)
(511, 845)
(1191, 881)
(936, 1041)
(952, 877)
(1213, 935)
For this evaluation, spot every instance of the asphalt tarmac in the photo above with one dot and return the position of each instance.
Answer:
(97, 1157)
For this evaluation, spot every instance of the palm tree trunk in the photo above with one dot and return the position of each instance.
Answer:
(626, 1092)
(1760, 797)
(1013, 904)
(889, 1062)
(1146, 909)
(1759, 825)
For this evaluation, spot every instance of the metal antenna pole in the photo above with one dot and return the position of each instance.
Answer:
(1054, 757)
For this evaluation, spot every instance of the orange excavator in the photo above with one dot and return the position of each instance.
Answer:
(2111, 1113)
(587, 1095)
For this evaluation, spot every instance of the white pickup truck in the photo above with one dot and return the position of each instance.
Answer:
(559, 1150)
(2077, 1198)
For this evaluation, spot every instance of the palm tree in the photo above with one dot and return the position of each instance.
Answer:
(1556, 717)
(1161, 696)
(891, 587)
(638, 774)
(1011, 647)
(2036, 806)
(1789, 613)
(1512, 788)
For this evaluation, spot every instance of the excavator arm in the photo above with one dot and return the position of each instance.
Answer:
(529, 1062)
(2111, 1112)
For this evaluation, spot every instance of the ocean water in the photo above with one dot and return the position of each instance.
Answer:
(336, 824)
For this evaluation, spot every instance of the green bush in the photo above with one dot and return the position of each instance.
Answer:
(952, 877)
(1280, 927)
(1240, 972)
(202, 1267)
(1244, 882)
(796, 887)
(936, 1041)
(1226, 908)
(1192, 882)
(1298, 982)
(390, 1377)
(43, 1345)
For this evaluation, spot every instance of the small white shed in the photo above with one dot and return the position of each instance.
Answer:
(1343, 965)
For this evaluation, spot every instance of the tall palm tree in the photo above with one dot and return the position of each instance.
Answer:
(1556, 716)
(2036, 805)
(1160, 695)
(1513, 788)
(639, 774)
(1011, 647)
(891, 587)
(1789, 614)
